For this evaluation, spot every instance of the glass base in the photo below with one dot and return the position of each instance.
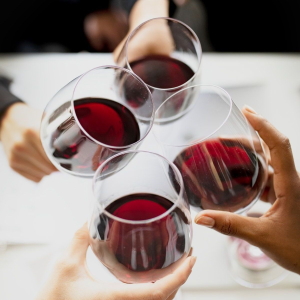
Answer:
(250, 267)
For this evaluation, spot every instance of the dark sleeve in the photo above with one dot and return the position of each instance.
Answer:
(6, 97)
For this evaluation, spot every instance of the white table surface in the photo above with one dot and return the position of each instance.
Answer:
(49, 212)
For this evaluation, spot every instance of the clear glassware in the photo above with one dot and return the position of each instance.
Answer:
(218, 153)
(248, 265)
(166, 54)
(140, 225)
(94, 117)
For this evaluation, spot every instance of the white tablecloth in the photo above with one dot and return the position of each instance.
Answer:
(49, 212)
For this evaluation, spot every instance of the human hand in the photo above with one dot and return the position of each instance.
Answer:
(154, 38)
(19, 133)
(105, 29)
(70, 279)
(276, 232)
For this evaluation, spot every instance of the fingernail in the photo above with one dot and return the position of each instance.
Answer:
(205, 221)
(193, 261)
(250, 109)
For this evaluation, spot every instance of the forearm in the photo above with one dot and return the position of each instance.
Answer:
(147, 9)
(142, 11)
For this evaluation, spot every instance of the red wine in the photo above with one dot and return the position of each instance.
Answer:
(160, 71)
(142, 247)
(107, 121)
(220, 174)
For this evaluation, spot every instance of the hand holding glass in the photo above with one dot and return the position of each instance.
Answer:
(166, 54)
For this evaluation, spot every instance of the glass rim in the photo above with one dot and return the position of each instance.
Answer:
(151, 119)
(186, 111)
(146, 221)
(199, 55)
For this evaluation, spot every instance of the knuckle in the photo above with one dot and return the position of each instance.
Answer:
(285, 142)
(13, 162)
(261, 235)
(66, 266)
(30, 133)
(81, 235)
(38, 179)
(227, 227)
(282, 142)
(264, 124)
(182, 278)
(18, 147)
(48, 172)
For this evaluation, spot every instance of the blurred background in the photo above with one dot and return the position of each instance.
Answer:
(98, 26)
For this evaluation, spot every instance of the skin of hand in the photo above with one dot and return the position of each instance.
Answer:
(276, 232)
(105, 29)
(152, 39)
(71, 280)
(19, 133)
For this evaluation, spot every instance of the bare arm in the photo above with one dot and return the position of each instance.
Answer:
(142, 11)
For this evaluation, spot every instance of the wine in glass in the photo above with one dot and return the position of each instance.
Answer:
(166, 54)
(140, 226)
(92, 118)
(223, 166)
(218, 153)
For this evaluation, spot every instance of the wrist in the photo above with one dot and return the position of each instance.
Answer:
(8, 112)
(144, 10)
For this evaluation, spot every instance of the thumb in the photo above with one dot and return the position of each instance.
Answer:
(79, 244)
(246, 228)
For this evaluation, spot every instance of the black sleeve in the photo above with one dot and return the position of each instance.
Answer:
(6, 97)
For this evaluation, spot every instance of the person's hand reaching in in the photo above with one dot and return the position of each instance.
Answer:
(19, 134)
(151, 40)
(277, 232)
(71, 280)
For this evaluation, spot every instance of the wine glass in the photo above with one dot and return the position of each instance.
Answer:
(166, 54)
(218, 153)
(94, 117)
(140, 226)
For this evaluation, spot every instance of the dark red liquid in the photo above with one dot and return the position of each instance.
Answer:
(161, 72)
(220, 174)
(142, 247)
(107, 121)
